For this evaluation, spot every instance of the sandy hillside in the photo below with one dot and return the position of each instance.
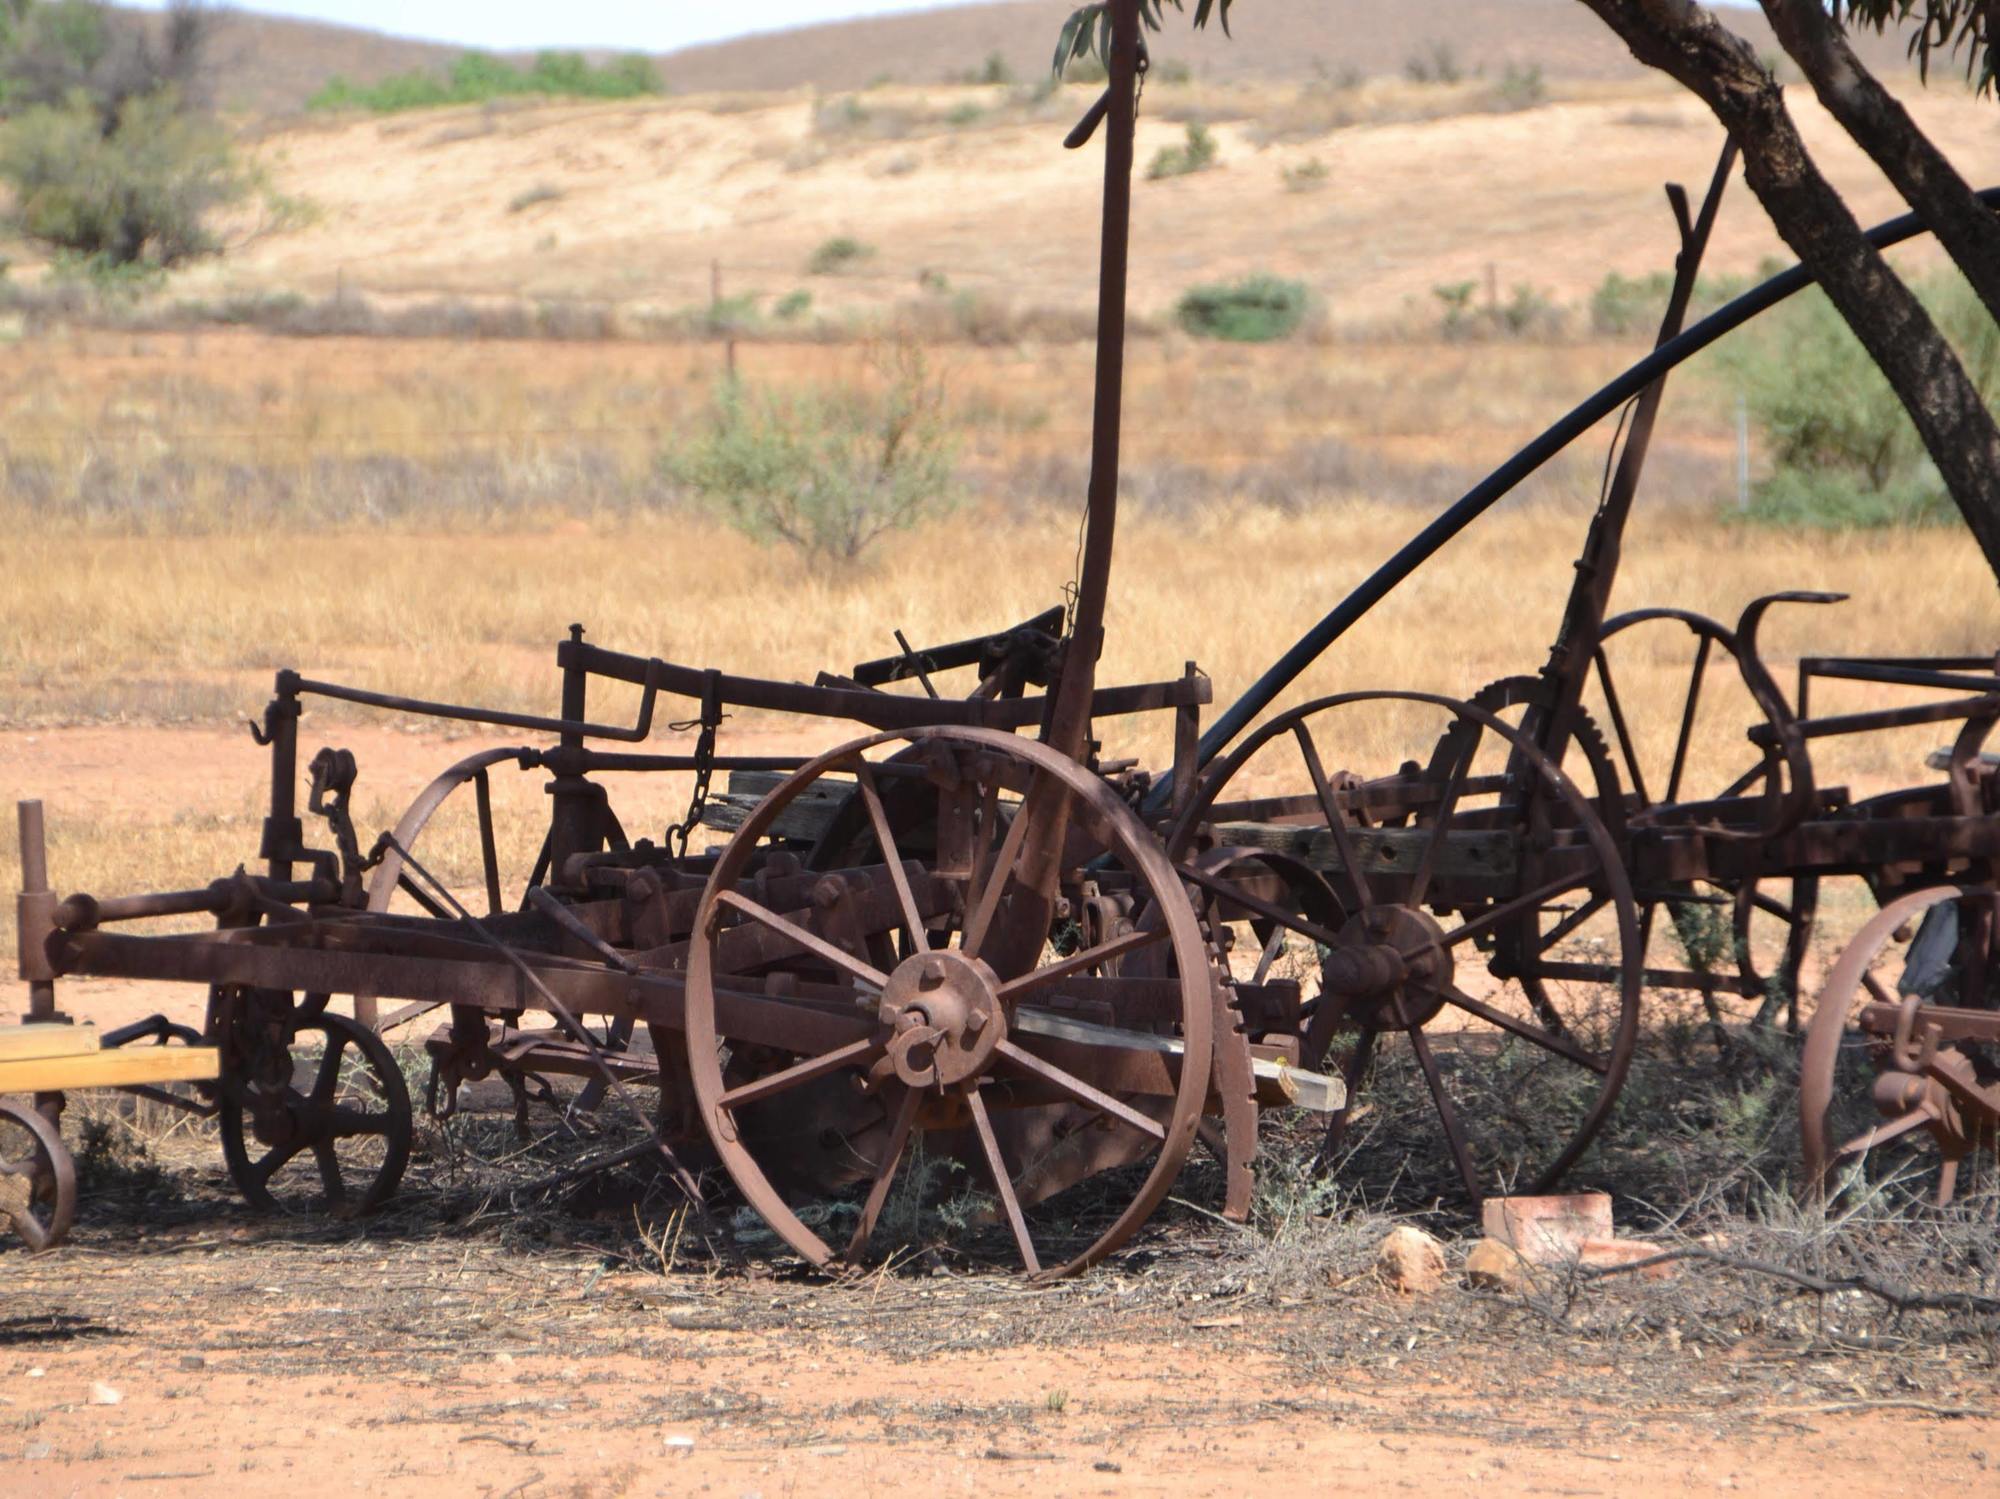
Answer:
(631, 203)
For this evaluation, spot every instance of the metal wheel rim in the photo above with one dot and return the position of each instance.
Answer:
(1141, 849)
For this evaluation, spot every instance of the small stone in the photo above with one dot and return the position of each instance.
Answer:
(1493, 1266)
(829, 1449)
(1410, 1261)
(1105, 1465)
(679, 1446)
(37, 1451)
(36, 1373)
(103, 1394)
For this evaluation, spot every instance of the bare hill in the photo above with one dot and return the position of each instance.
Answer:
(962, 203)
(1271, 39)
(271, 65)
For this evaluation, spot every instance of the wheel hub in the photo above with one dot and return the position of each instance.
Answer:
(945, 1011)
(1390, 959)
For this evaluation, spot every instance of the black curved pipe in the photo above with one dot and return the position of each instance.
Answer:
(1496, 485)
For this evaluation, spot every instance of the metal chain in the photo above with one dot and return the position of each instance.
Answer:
(704, 763)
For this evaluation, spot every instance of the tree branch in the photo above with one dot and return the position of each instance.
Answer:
(1685, 41)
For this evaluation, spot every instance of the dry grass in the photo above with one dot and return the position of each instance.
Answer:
(184, 514)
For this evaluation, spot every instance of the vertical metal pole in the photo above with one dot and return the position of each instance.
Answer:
(34, 921)
(575, 826)
(1069, 723)
(1743, 454)
(284, 835)
(1187, 746)
(35, 913)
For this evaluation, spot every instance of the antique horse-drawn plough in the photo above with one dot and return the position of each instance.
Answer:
(955, 939)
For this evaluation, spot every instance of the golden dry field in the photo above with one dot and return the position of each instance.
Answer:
(185, 507)
(427, 518)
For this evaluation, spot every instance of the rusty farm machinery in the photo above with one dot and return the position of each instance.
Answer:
(966, 934)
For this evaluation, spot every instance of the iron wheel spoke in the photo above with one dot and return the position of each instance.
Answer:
(1571, 922)
(345, 1123)
(1219, 886)
(1003, 1183)
(1081, 1091)
(1882, 1134)
(1351, 1073)
(277, 1156)
(811, 942)
(328, 1078)
(1687, 721)
(1454, 787)
(871, 797)
(1562, 1046)
(885, 1174)
(1454, 1133)
(798, 1074)
(1076, 962)
(331, 1179)
(980, 921)
(1512, 908)
(1336, 823)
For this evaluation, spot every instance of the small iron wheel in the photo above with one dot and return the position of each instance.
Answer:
(1433, 867)
(960, 1017)
(1914, 995)
(37, 1177)
(315, 1114)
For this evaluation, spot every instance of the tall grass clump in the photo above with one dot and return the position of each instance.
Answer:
(477, 77)
(1844, 453)
(827, 470)
(1257, 309)
(1196, 154)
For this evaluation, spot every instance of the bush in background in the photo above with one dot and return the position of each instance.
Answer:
(1256, 309)
(1196, 154)
(140, 193)
(827, 471)
(476, 77)
(838, 254)
(1843, 449)
(106, 145)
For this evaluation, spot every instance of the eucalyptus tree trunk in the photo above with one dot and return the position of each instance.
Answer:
(1685, 41)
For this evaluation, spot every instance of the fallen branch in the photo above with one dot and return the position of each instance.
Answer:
(1843, 1407)
(1902, 1298)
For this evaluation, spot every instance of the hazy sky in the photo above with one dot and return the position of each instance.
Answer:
(641, 25)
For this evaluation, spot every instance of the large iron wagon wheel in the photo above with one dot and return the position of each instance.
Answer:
(971, 1015)
(1706, 937)
(1431, 864)
(1770, 918)
(37, 1177)
(314, 1112)
(1916, 995)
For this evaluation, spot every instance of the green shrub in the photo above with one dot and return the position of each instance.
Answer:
(827, 471)
(842, 252)
(1844, 453)
(792, 306)
(1304, 176)
(1456, 297)
(476, 77)
(1256, 309)
(1624, 305)
(1521, 88)
(1437, 63)
(1197, 154)
(532, 197)
(141, 192)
